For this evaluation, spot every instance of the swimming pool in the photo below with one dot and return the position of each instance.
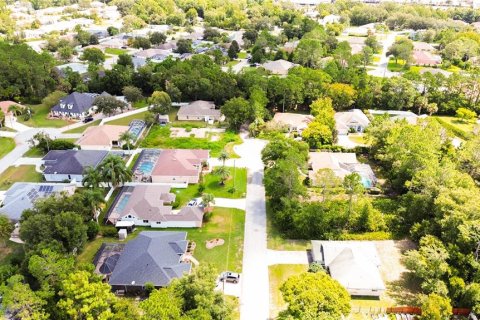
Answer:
(122, 203)
(146, 167)
(146, 163)
(136, 128)
(367, 183)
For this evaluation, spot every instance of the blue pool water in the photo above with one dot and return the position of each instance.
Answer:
(123, 202)
(146, 167)
(367, 183)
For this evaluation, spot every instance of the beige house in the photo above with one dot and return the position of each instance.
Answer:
(341, 164)
(278, 67)
(353, 120)
(199, 110)
(294, 121)
(179, 166)
(103, 137)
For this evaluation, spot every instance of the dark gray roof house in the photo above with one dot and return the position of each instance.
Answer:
(75, 105)
(63, 165)
(23, 195)
(154, 256)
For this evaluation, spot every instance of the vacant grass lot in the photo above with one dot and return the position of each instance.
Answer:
(125, 121)
(225, 223)
(278, 274)
(6, 145)
(19, 174)
(396, 66)
(115, 51)
(39, 118)
(464, 127)
(212, 185)
(159, 137)
(83, 128)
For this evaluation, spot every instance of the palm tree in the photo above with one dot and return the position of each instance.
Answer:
(91, 177)
(208, 199)
(93, 198)
(224, 173)
(15, 109)
(223, 157)
(128, 138)
(114, 171)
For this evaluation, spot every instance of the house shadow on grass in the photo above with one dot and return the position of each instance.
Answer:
(404, 290)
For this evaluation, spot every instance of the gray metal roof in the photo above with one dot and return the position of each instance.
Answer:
(154, 256)
(23, 195)
(72, 161)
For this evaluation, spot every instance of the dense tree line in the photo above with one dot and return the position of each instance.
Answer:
(438, 205)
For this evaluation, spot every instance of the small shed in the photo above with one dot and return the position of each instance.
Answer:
(163, 119)
(122, 234)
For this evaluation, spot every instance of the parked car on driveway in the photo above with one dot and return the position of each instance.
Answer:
(88, 119)
(229, 276)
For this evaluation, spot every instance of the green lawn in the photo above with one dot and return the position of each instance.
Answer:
(278, 274)
(7, 129)
(6, 145)
(242, 55)
(212, 185)
(19, 174)
(231, 63)
(396, 67)
(159, 137)
(34, 153)
(115, 51)
(140, 104)
(83, 128)
(461, 125)
(227, 224)
(360, 139)
(39, 118)
(125, 121)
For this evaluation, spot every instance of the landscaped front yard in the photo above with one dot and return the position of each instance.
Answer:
(6, 145)
(212, 185)
(40, 118)
(227, 224)
(159, 137)
(396, 66)
(464, 128)
(19, 174)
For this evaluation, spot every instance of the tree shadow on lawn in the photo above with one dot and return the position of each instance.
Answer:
(405, 290)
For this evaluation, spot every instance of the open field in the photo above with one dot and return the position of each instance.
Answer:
(115, 51)
(225, 223)
(39, 118)
(456, 126)
(159, 137)
(6, 145)
(19, 174)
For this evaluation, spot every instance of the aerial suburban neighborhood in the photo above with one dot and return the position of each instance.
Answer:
(243, 159)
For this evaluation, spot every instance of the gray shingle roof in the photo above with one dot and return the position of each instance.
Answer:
(76, 102)
(72, 161)
(199, 108)
(22, 196)
(154, 256)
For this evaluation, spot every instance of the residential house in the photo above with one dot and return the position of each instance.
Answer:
(76, 105)
(351, 121)
(155, 257)
(4, 105)
(68, 165)
(290, 46)
(103, 137)
(423, 46)
(426, 58)
(23, 195)
(408, 116)
(151, 205)
(331, 18)
(199, 110)
(294, 121)
(341, 164)
(355, 264)
(278, 67)
(81, 68)
(179, 165)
